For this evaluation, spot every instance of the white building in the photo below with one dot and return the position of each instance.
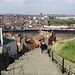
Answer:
(65, 18)
(8, 46)
(56, 27)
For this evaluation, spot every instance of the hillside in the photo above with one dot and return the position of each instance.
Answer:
(65, 49)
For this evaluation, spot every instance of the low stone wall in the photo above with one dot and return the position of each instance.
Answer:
(4, 61)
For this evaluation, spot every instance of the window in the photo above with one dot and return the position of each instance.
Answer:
(44, 35)
(14, 55)
(47, 35)
(41, 33)
(8, 49)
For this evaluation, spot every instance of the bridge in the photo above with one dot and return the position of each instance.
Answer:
(33, 63)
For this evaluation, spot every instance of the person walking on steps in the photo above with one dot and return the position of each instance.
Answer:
(46, 46)
(42, 46)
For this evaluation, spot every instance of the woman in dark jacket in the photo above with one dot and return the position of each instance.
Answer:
(42, 46)
(46, 46)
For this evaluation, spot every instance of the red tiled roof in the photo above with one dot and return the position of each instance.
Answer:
(37, 42)
(71, 27)
(27, 25)
(7, 33)
(63, 38)
(57, 38)
(29, 39)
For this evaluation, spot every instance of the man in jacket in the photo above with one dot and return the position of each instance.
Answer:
(42, 46)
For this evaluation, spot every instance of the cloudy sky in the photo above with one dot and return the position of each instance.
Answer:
(37, 6)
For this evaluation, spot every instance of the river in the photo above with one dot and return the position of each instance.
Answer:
(59, 34)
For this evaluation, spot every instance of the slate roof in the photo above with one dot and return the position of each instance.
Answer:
(43, 34)
(6, 40)
(37, 42)
(34, 40)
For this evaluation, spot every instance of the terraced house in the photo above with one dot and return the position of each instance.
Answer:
(48, 37)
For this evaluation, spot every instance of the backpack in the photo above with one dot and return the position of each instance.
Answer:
(45, 46)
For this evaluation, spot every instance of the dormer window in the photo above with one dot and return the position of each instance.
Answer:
(44, 34)
(41, 33)
(47, 35)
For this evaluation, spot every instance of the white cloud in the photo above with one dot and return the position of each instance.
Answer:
(43, 0)
(69, 1)
(8, 0)
(17, 1)
(37, 6)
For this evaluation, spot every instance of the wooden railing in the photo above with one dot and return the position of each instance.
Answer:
(65, 65)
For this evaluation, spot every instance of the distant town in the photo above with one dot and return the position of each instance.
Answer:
(47, 21)
(15, 46)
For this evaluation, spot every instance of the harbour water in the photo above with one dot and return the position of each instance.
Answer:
(58, 34)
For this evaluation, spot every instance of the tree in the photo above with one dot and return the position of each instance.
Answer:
(61, 22)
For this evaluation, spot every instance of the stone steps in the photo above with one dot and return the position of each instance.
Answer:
(33, 63)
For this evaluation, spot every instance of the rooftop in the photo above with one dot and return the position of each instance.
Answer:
(42, 34)
(6, 40)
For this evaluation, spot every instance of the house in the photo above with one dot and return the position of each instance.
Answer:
(3, 56)
(18, 38)
(27, 26)
(18, 27)
(21, 44)
(57, 26)
(3, 27)
(8, 45)
(49, 38)
(38, 43)
(32, 43)
(57, 39)
(7, 27)
(8, 34)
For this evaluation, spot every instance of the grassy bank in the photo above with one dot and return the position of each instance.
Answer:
(65, 49)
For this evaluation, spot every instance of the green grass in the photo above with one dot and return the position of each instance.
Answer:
(65, 49)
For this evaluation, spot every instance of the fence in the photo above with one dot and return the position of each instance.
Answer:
(65, 65)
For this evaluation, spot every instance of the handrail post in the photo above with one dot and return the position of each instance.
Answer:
(13, 69)
(0, 72)
(62, 65)
(52, 55)
(22, 69)
(69, 70)
(5, 57)
(49, 53)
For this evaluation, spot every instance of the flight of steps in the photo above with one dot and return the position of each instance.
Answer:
(33, 63)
